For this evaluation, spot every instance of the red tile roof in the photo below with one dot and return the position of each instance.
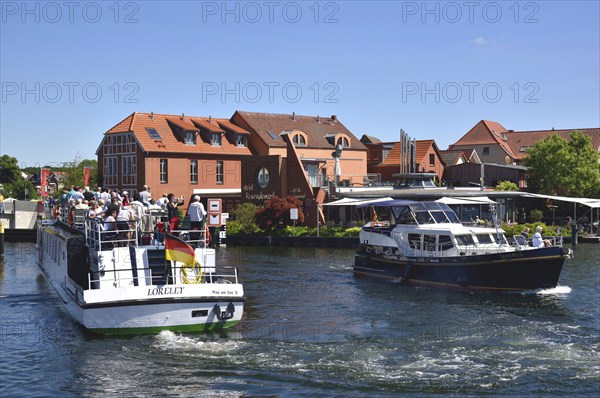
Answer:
(521, 140)
(453, 157)
(138, 122)
(485, 132)
(315, 127)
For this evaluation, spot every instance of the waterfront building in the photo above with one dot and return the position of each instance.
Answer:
(174, 153)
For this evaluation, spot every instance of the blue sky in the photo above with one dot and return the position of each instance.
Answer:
(71, 70)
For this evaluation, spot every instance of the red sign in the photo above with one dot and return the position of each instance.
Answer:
(87, 174)
(45, 173)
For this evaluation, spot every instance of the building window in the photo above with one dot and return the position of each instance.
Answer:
(299, 140)
(153, 133)
(189, 138)
(486, 150)
(164, 171)
(129, 170)
(343, 141)
(110, 171)
(241, 140)
(523, 149)
(215, 139)
(219, 173)
(431, 159)
(193, 171)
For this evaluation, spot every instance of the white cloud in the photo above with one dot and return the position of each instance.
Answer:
(479, 40)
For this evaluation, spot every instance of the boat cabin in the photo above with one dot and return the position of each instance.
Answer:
(429, 229)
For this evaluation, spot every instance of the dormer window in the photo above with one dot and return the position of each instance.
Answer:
(299, 140)
(241, 140)
(189, 138)
(215, 139)
(343, 141)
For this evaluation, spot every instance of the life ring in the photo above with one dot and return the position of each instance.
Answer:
(196, 271)
(207, 236)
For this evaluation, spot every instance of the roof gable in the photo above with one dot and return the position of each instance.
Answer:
(268, 126)
(520, 141)
(166, 126)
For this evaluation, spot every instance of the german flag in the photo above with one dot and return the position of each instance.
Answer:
(178, 250)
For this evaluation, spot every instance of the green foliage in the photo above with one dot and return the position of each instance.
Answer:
(9, 170)
(20, 189)
(245, 213)
(73, 172)
(275, 214)
(558, 166)
(535, 215)
(235, 227)
(507, 186)
(552, 230)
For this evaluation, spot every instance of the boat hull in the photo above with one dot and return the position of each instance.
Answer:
(118, 306)
(509, 271)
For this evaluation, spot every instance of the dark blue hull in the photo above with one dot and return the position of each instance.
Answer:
(519, 270)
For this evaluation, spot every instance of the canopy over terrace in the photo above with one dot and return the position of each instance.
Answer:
(589, 202)
(350, 202)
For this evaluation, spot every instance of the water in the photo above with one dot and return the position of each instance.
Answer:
(312, 329)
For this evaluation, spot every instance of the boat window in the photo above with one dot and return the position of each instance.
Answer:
(439, 217)
(444, 242)
(414, 240)
(431, 205)
(429, 242)
(407, 218)
(417, 206)
(465, 240)
(399, 211)
(423, 217)
(452, 217)
(484, 238)
(500, 240)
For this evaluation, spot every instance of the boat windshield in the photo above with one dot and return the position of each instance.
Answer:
(426, 213)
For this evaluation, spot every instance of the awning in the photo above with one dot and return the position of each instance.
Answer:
(354, 202)
(594, 203)
(475, 200)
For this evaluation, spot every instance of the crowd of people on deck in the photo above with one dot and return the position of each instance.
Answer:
(120, 215)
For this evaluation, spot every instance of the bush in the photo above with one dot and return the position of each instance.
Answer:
(552, 230)
(276, 213)
(535, 215)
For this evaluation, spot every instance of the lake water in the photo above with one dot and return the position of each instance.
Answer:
(312, 329)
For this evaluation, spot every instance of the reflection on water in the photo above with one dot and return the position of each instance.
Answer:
(311, 329)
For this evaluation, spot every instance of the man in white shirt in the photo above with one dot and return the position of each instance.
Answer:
(145, 196)
(197, 215)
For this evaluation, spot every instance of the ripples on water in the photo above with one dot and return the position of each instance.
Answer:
(311, 329)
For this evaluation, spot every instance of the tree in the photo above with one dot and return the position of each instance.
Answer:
(275, 213)
(561, 167)
(73, 172)
(9, 170)
(507, 186)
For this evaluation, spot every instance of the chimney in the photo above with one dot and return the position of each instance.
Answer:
(209, 118)
(318, 119)
(152, 115)
(294, 116)
(182, 115)
(334, 118)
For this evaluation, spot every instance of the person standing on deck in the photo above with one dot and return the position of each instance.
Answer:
(145, 196)
(172, 212)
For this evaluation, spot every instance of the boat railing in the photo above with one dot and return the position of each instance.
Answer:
(440, 251)
(177, 276)
(102, 235)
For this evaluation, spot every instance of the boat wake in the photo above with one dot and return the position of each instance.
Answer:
(555, 291)
(169, 341)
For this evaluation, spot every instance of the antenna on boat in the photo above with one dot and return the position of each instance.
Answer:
(496, 223)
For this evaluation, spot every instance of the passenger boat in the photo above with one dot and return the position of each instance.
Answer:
(123, 284)
(425, 244)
